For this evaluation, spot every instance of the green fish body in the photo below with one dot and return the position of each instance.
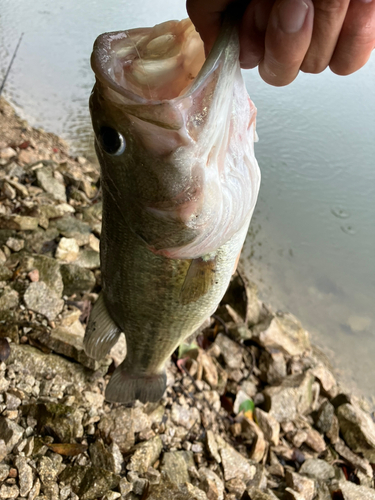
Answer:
(175, 141)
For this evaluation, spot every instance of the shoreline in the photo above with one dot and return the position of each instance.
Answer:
(298, 436)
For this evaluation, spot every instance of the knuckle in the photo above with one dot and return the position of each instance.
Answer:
(331, 7)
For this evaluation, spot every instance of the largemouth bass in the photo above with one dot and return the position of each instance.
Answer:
(175, 141)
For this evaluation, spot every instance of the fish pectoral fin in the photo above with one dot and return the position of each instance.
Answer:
(125, 386)
(199, 278)
(101, 332)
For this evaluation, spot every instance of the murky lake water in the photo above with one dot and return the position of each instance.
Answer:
(312, 239)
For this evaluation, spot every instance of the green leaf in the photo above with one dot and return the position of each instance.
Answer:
(247, 405)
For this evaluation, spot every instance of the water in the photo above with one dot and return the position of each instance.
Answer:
(312, 241)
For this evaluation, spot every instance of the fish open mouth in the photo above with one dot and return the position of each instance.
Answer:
(149, 64)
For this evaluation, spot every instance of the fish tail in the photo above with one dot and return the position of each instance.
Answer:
(101, 332)
(125, 386)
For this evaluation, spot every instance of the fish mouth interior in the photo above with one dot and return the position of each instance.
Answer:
(154, 64)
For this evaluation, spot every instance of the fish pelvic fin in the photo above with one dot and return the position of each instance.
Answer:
(101, 332)
(125, 387)
(199, 278)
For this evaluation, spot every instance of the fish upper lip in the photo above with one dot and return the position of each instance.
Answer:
(102, 53)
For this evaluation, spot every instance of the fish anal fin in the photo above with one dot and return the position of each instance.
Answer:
(102, 333)
(125, 386)
(199, 278)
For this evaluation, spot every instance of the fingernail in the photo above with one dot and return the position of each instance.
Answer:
(292, 15)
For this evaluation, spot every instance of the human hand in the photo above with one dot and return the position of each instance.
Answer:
(283, 37)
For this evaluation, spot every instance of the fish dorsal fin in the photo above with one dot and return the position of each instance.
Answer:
(101, 332)
(199, 278)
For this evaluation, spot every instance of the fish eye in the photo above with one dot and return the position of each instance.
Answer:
(111, 141)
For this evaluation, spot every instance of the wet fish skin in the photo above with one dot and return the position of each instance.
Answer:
(172, 229)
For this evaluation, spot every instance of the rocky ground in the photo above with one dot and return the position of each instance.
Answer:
(250, 411)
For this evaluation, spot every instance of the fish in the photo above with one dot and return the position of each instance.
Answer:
(174, 136)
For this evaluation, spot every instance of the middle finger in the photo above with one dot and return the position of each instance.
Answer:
(329, 17)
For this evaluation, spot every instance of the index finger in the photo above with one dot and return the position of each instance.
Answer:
(207, 17)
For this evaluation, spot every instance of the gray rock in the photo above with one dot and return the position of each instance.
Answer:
(210, 374)
(93, 215)
(269, 426)
(10, 433)
(9, 491)
(55, 211)
(5, 273)
(236, 486)
(315, 440)
(212, 446)
(175, 465)
(7, 153)
(41, 299)
(351, 491)
(358, 430)
(65, 422)
(62, 341)
(94, 243)
(4, 471)
(35, 490)
(4, 384)
(76, 279)
(211, 484)
(9, 299)
(145, 455)
(357, 462)
(324, 418)
(293, 495)
(327, 380)
(230, 350)
(139, 483)
(259, 481)
(89, 482)
(254, 435)
(45, 366)
(194, 492)
(19, 188)
(109, 458)
(18, 222)
(152, 475)
(47, 470)
(70, 227)
(111, 495)
(256, 494)
(285, 333)
(118, 427)
(49, 271)
(47, 181)
(301, 484)
(292, 397)
(234, 464)
(15, 244)
(8, 191)
(272, 366)
(12, 401)
(125, 486)
(67, 250)
(89, 259)
(41, 241)
(185, 416)
(166, 490)
(317, 469)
